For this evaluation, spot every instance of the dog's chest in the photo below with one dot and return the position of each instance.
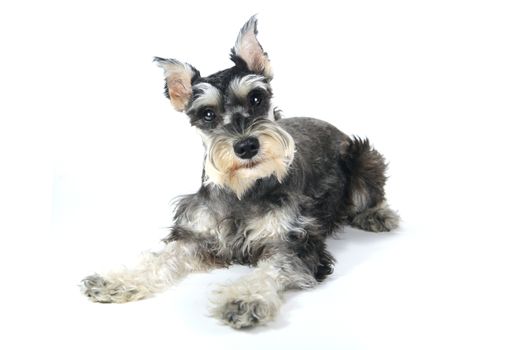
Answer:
(243, 235)
(270, 226)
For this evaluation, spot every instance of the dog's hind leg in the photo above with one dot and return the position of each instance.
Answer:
(377, 219)
(366, 168)
(155, 272)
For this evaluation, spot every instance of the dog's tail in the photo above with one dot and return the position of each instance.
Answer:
(366, 170)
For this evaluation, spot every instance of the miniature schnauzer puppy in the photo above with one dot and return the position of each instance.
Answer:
(272, 191)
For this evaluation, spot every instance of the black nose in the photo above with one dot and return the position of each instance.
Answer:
(246, 148)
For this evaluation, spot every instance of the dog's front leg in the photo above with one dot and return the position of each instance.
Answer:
(155, 272)
(255, 299)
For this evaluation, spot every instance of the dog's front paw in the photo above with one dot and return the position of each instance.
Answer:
(101, 290)
(243, 313)
(239, 306)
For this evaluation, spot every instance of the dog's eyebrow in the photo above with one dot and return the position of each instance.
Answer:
(241, 86)
(206, 95)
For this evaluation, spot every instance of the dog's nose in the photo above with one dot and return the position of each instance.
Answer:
(246, 148)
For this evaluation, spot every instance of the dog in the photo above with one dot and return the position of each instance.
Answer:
(273, 189)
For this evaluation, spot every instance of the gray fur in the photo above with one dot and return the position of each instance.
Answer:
(273, 210)
(377, 219)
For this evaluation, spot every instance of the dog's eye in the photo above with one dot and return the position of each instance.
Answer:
(255, 98)
(208, 115)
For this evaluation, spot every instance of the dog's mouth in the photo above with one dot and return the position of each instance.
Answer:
(246, 165)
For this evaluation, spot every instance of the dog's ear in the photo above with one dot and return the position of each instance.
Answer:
(248, 51)
(178, 77)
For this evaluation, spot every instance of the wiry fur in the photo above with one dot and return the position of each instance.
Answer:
(154, 273)
(224, 169)
(272, 209)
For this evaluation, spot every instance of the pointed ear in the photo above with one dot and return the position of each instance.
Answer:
(248, 49)
(178, 77)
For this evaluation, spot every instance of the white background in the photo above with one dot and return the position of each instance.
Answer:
(92, 153)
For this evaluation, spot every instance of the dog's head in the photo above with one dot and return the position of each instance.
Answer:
(233, 112)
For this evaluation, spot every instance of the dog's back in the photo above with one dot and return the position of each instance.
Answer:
(344, 176)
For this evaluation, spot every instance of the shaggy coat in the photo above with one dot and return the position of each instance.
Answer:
(272, 190)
